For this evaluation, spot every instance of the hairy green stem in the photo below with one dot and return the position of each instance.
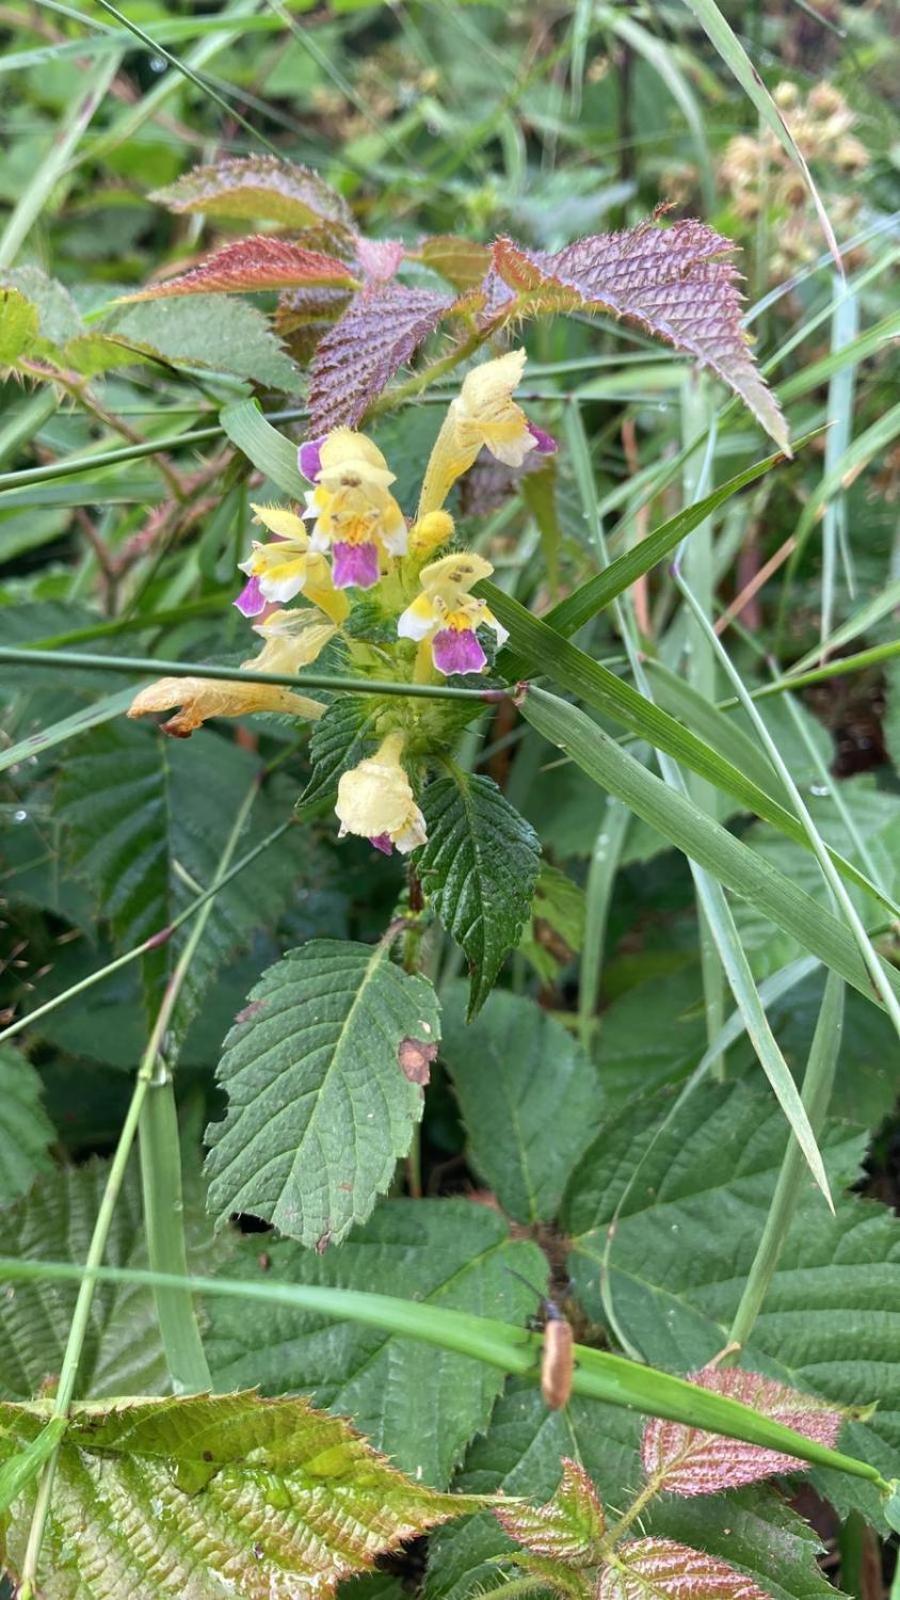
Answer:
(423, 380)
(816, 1093)
(140, 665)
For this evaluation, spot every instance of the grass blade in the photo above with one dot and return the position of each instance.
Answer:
(730, 861)
(722, 37)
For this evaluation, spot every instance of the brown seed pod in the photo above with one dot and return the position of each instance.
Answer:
(557, 1362)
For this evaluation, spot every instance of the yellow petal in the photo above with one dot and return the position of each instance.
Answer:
(281, 521)
(490, 386)
(460, 572)
(293, 639)
(348, 459)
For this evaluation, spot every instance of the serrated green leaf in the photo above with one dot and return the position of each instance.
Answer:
(556, 931)
(479, 869)
(319, 1107)
(122, 1351)
(686, 1237)
(530, 1099)
(18, 325)
(229, 335)
(26, 1131)
(420, 1405)
(257, 186)
(58, 319)
(340, 740)
(140, 812)
(212, 1495)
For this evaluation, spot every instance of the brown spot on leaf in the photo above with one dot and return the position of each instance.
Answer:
(250, 1011)
(323, 1242)
(415, 1057)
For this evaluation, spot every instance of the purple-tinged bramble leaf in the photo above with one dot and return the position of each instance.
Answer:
(676, 282)
(572, 1583)
(253, 264)
(695, 1462)
(379, 331)
(256, 187)
(462, 262)
(660, 1569)
(379, 258)
(568, 1528)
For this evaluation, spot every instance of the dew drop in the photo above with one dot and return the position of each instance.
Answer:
(20, 816)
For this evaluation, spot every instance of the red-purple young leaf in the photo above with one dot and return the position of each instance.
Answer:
(303, 316)
(248, 265)
(256, 187)
(695, 1462)
(382, 328)
(462, 262)
(568, 1528)
(676, 282)
(660, 1569)
(379, 258)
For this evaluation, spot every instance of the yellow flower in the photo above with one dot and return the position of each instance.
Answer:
(429, 533)
(375, 800)
(201, 698)
(484, 414)
(292, 640)
(353, 513)
(447, 615)
(279, 571)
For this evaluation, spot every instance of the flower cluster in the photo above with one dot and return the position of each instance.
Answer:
(351, 537)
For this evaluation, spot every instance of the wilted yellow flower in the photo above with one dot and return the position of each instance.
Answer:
(448, 615)
(483, 414)
(376, 801)
(202, 698)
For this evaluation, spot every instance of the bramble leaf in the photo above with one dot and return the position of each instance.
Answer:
(340, 740)
(122, 1352)
(685, 1240)
(25, 1129)
(140, 811)
(479, 869)
(381, 328)
(420, 1404)
(647, 1569)
(19, 325)
(691, 1461)
(530, 1099)
(230, 336)
(212, 1495)
(461, 261)
(251, 265)
(675, 282)
(568, 1528)
(256, 187)
(319, 1108)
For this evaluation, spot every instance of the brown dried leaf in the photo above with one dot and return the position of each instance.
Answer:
(660, 1569)
(695, 1462)
(672, 281)
(252, 264)
(380, 330)
(256, 187)
(462, 262)
(569, 1528)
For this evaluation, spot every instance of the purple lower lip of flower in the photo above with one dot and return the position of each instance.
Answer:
(309, 458)
(545, 444)
(383, 842)
(355, 566)
(251, 600)
(460, 651)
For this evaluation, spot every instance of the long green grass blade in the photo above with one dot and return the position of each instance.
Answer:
(733, 863)
(597, 1374)
(722, 36)
(546, 652)
(262, 444)
(34, 744)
